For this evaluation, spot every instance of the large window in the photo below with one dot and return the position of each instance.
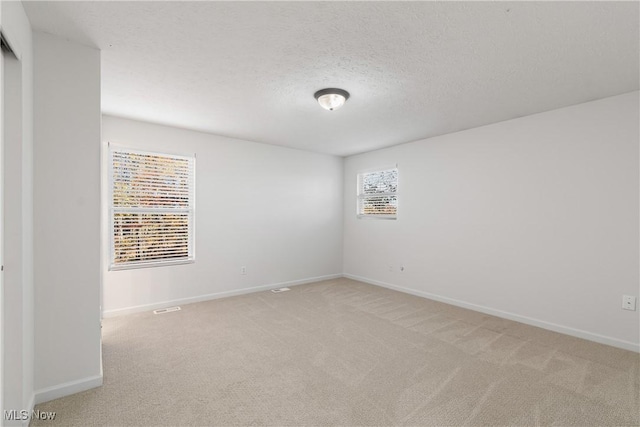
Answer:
(152, 208)
(378, 194)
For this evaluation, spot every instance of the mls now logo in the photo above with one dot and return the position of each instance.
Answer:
(24, 415)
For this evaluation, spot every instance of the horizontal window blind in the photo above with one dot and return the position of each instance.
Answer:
(378, 194)
(152, 208)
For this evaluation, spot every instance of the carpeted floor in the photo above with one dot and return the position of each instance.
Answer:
(346, 353)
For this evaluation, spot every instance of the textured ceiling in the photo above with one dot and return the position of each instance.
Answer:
(414, 70)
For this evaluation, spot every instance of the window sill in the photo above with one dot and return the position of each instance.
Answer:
(133, 266)
(376, 217)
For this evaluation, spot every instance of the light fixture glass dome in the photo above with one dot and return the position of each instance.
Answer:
(331, 99)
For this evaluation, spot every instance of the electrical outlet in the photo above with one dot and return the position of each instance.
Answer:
(628, 302)
(391, 268)
(243, 270)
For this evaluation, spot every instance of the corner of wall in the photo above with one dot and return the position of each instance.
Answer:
(67, 291)
(16, 27)
(31, 403)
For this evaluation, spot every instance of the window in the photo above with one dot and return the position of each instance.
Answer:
(378, 194)
(152, 199)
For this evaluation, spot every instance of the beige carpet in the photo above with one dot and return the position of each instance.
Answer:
(344, 353)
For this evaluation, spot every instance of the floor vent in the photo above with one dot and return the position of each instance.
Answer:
(275, 291)
(166, 310)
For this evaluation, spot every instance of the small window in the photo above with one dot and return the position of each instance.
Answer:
(152, 208)
(378, 194)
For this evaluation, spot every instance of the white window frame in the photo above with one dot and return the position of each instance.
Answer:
(361, 196)
(190, 211)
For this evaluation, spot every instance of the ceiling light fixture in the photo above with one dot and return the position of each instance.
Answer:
(331, 99)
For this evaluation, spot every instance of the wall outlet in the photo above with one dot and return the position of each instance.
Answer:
(628, 302)
(243, 270)
(391, 268)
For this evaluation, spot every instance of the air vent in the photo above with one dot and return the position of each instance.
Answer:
(166, 310)
(275, 291)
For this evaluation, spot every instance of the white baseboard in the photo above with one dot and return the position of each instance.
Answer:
(614, 342)
(217, 295)
(66, 389)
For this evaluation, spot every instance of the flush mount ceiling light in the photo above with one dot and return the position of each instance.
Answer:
(331, 99)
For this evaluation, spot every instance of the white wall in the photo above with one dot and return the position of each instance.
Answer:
(535, 219)
(17, 321)
(66, 216)
(275, 210)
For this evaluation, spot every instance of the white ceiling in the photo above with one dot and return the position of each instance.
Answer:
(414, 69)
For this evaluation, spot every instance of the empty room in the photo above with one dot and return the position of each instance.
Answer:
(319, 213)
